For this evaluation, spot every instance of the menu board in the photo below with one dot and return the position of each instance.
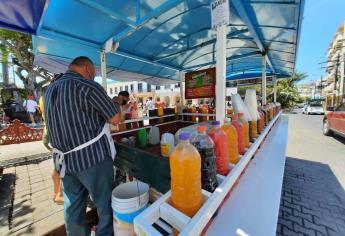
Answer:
(200, 84)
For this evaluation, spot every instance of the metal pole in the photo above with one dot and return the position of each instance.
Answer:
(275, 90)
(321, 88)
(221, 73)
(343, 78)
(335, 82)
(181, 88)
(264, 88)
(104, 70)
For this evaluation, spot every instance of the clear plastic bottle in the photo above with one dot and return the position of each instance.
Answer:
(221, 147)
(205, 146)
(245, 124)
(240, 133)
(231, 134)
(185, 166)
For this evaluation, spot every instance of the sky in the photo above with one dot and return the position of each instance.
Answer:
(321, 20)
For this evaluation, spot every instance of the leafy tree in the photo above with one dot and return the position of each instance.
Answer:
(19, 47)
(287, 94)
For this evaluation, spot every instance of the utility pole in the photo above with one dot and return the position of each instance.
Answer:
(321, 87)
(335, 82)
(343, 78)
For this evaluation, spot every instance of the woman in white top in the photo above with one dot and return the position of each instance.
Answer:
(30, 106)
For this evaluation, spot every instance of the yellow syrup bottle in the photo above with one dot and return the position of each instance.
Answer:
(231, 133)
(185, 173)
(245, 124)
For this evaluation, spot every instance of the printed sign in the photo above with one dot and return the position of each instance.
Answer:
(220, 13)
(200, 84)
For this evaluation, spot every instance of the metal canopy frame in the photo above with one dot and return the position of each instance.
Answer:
(179, 55)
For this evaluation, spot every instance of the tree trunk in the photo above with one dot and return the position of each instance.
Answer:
(4, 60)
(5, 77)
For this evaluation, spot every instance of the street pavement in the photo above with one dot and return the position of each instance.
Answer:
(313, 195)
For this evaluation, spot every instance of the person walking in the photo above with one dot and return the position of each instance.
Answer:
(78, 112)
(30, 106)
(57, 195)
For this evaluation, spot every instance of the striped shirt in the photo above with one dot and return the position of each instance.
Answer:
(76, 110)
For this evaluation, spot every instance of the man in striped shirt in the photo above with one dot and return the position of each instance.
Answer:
(77, 109)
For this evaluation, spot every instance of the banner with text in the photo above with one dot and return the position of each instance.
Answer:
(220, 13)
(200, 84)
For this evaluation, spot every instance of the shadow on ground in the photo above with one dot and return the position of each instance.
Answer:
(312, 200)
(339, 139)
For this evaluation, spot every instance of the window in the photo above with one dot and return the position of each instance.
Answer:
(132, 88)
(149, 88)
(140, 87)
(126, 88)
(158, 87)
(121, 88)
(116, 92)
(167, 86)
(177, 85)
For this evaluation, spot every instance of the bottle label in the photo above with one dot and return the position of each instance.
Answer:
(165, 149)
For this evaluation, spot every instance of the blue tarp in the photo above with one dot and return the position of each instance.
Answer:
(21, 15)
(161, 38)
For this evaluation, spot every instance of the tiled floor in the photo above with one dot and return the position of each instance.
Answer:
(33, 212)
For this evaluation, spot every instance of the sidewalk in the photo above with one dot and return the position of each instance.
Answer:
(30, 189)
(17, 152)
(26, 190)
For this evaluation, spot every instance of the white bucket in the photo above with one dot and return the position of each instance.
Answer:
(129, 199)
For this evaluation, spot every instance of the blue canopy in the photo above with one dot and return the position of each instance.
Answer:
(21, 15)
(160, 38)
(247, 75)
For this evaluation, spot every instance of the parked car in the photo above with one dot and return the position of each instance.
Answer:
(313, 108)
(334, 121)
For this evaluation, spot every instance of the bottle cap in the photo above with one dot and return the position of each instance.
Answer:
(202, 128)
(184, 136)
(215, 122)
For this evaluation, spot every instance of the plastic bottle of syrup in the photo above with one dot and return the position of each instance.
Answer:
(205, 146)
(185, 166)
(261, 121)
(193, 110)
(253, 130)
(245, 124)
(240, 133)
(167, 144)
(221, 147)
(231, 135)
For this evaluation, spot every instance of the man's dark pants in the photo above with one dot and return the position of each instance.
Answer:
(96, 181)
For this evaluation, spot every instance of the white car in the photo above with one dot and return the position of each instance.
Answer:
(313, 108)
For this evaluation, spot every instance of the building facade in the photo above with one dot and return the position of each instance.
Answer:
(306, 90)
(334, 90)
(141, 91)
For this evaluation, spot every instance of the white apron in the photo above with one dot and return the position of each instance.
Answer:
(60, 156)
